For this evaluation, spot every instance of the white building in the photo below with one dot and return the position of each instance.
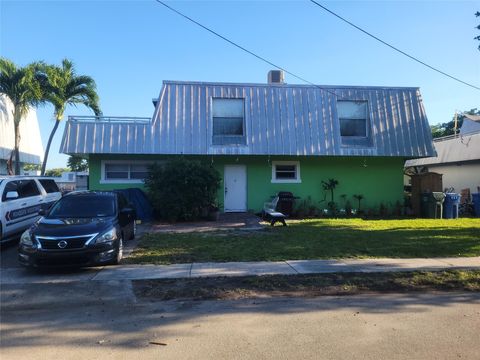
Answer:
(71, 181)
(31, 149)
(458, 158)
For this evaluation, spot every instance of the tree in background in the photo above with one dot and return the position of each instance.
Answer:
(448, 128)
(64, 87)
(57, 172)
(22, 86)
(77, 163)
(31, 167)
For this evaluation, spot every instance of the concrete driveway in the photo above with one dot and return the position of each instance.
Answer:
(13, 273)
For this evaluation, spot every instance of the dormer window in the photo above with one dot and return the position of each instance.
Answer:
(354, 123)
(228, 117)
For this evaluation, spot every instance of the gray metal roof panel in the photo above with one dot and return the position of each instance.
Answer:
(452, 149)
(279, 120)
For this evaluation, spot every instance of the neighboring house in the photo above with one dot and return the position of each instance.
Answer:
(265, 138)
(471, 124)
(458, 158)
(31, 149)
(71, 181)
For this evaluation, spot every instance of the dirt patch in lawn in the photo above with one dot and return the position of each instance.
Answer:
(230, 288)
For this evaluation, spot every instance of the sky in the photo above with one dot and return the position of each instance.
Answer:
(130, 47)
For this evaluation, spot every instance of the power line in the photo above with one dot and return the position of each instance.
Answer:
(393, 47)
(245, 49)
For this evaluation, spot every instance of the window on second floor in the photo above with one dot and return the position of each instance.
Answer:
(354, 122)
(228, 121)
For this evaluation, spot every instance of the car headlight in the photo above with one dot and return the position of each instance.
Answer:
(26, 238)
(107, 236)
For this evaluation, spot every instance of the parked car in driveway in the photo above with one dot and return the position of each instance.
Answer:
(21, 198)
(83, 228)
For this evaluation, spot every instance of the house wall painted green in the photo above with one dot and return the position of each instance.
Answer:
(378, 179)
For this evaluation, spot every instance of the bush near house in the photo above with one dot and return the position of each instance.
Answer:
(181, 189)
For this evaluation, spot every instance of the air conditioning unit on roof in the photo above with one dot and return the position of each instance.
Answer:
(276, 77)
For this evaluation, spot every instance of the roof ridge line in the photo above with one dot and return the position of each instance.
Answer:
(185, 82)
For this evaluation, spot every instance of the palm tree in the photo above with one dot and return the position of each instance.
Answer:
(63, 87)
(21, 86)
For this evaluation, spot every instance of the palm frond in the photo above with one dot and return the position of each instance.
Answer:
(66, 88)
(21, 85)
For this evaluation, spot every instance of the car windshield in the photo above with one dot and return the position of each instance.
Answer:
(83, 206)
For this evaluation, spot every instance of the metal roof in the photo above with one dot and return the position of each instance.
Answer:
(452, 149)
(470, 126)
(280, 119)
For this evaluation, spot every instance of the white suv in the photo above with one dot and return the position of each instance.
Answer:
(21, 197)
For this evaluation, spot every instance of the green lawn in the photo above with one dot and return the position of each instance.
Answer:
(317, 239)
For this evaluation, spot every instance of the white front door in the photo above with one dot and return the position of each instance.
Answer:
(235, 183)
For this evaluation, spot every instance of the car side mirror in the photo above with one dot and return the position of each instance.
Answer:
(42, 212)
(11, 195)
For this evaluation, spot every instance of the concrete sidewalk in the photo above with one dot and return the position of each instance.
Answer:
(193, 270)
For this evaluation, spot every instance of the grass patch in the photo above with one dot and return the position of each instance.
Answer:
(305, 285)
(316, 239)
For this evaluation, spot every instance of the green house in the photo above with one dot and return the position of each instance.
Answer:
(265, 138)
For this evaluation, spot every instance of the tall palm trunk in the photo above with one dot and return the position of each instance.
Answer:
(16, 127)
(50, 138)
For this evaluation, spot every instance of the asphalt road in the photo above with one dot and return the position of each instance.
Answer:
(104, 320)
(8, 255)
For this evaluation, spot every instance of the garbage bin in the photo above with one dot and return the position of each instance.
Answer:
(476, 204)
(450, 206)
(432, 204)
(425, 205)
(285, 202)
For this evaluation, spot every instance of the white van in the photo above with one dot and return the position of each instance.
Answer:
(21, 197)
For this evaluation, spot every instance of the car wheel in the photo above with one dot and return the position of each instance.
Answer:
(134, 230)
(119, 253)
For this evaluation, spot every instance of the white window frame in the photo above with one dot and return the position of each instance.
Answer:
(244, 124)
(103, 180)
(367, 120)
(297, 180)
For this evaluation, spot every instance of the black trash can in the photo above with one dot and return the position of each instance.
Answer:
(432, 205)
(285, 202)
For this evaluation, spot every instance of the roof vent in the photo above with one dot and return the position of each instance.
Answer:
(276, 77)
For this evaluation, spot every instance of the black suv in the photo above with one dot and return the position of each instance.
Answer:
(81, 229)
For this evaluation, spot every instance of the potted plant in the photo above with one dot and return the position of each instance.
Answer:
(214, 211)
(359, 198)
(348, 208)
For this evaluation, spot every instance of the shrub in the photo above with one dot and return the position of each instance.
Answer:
(179, 189)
